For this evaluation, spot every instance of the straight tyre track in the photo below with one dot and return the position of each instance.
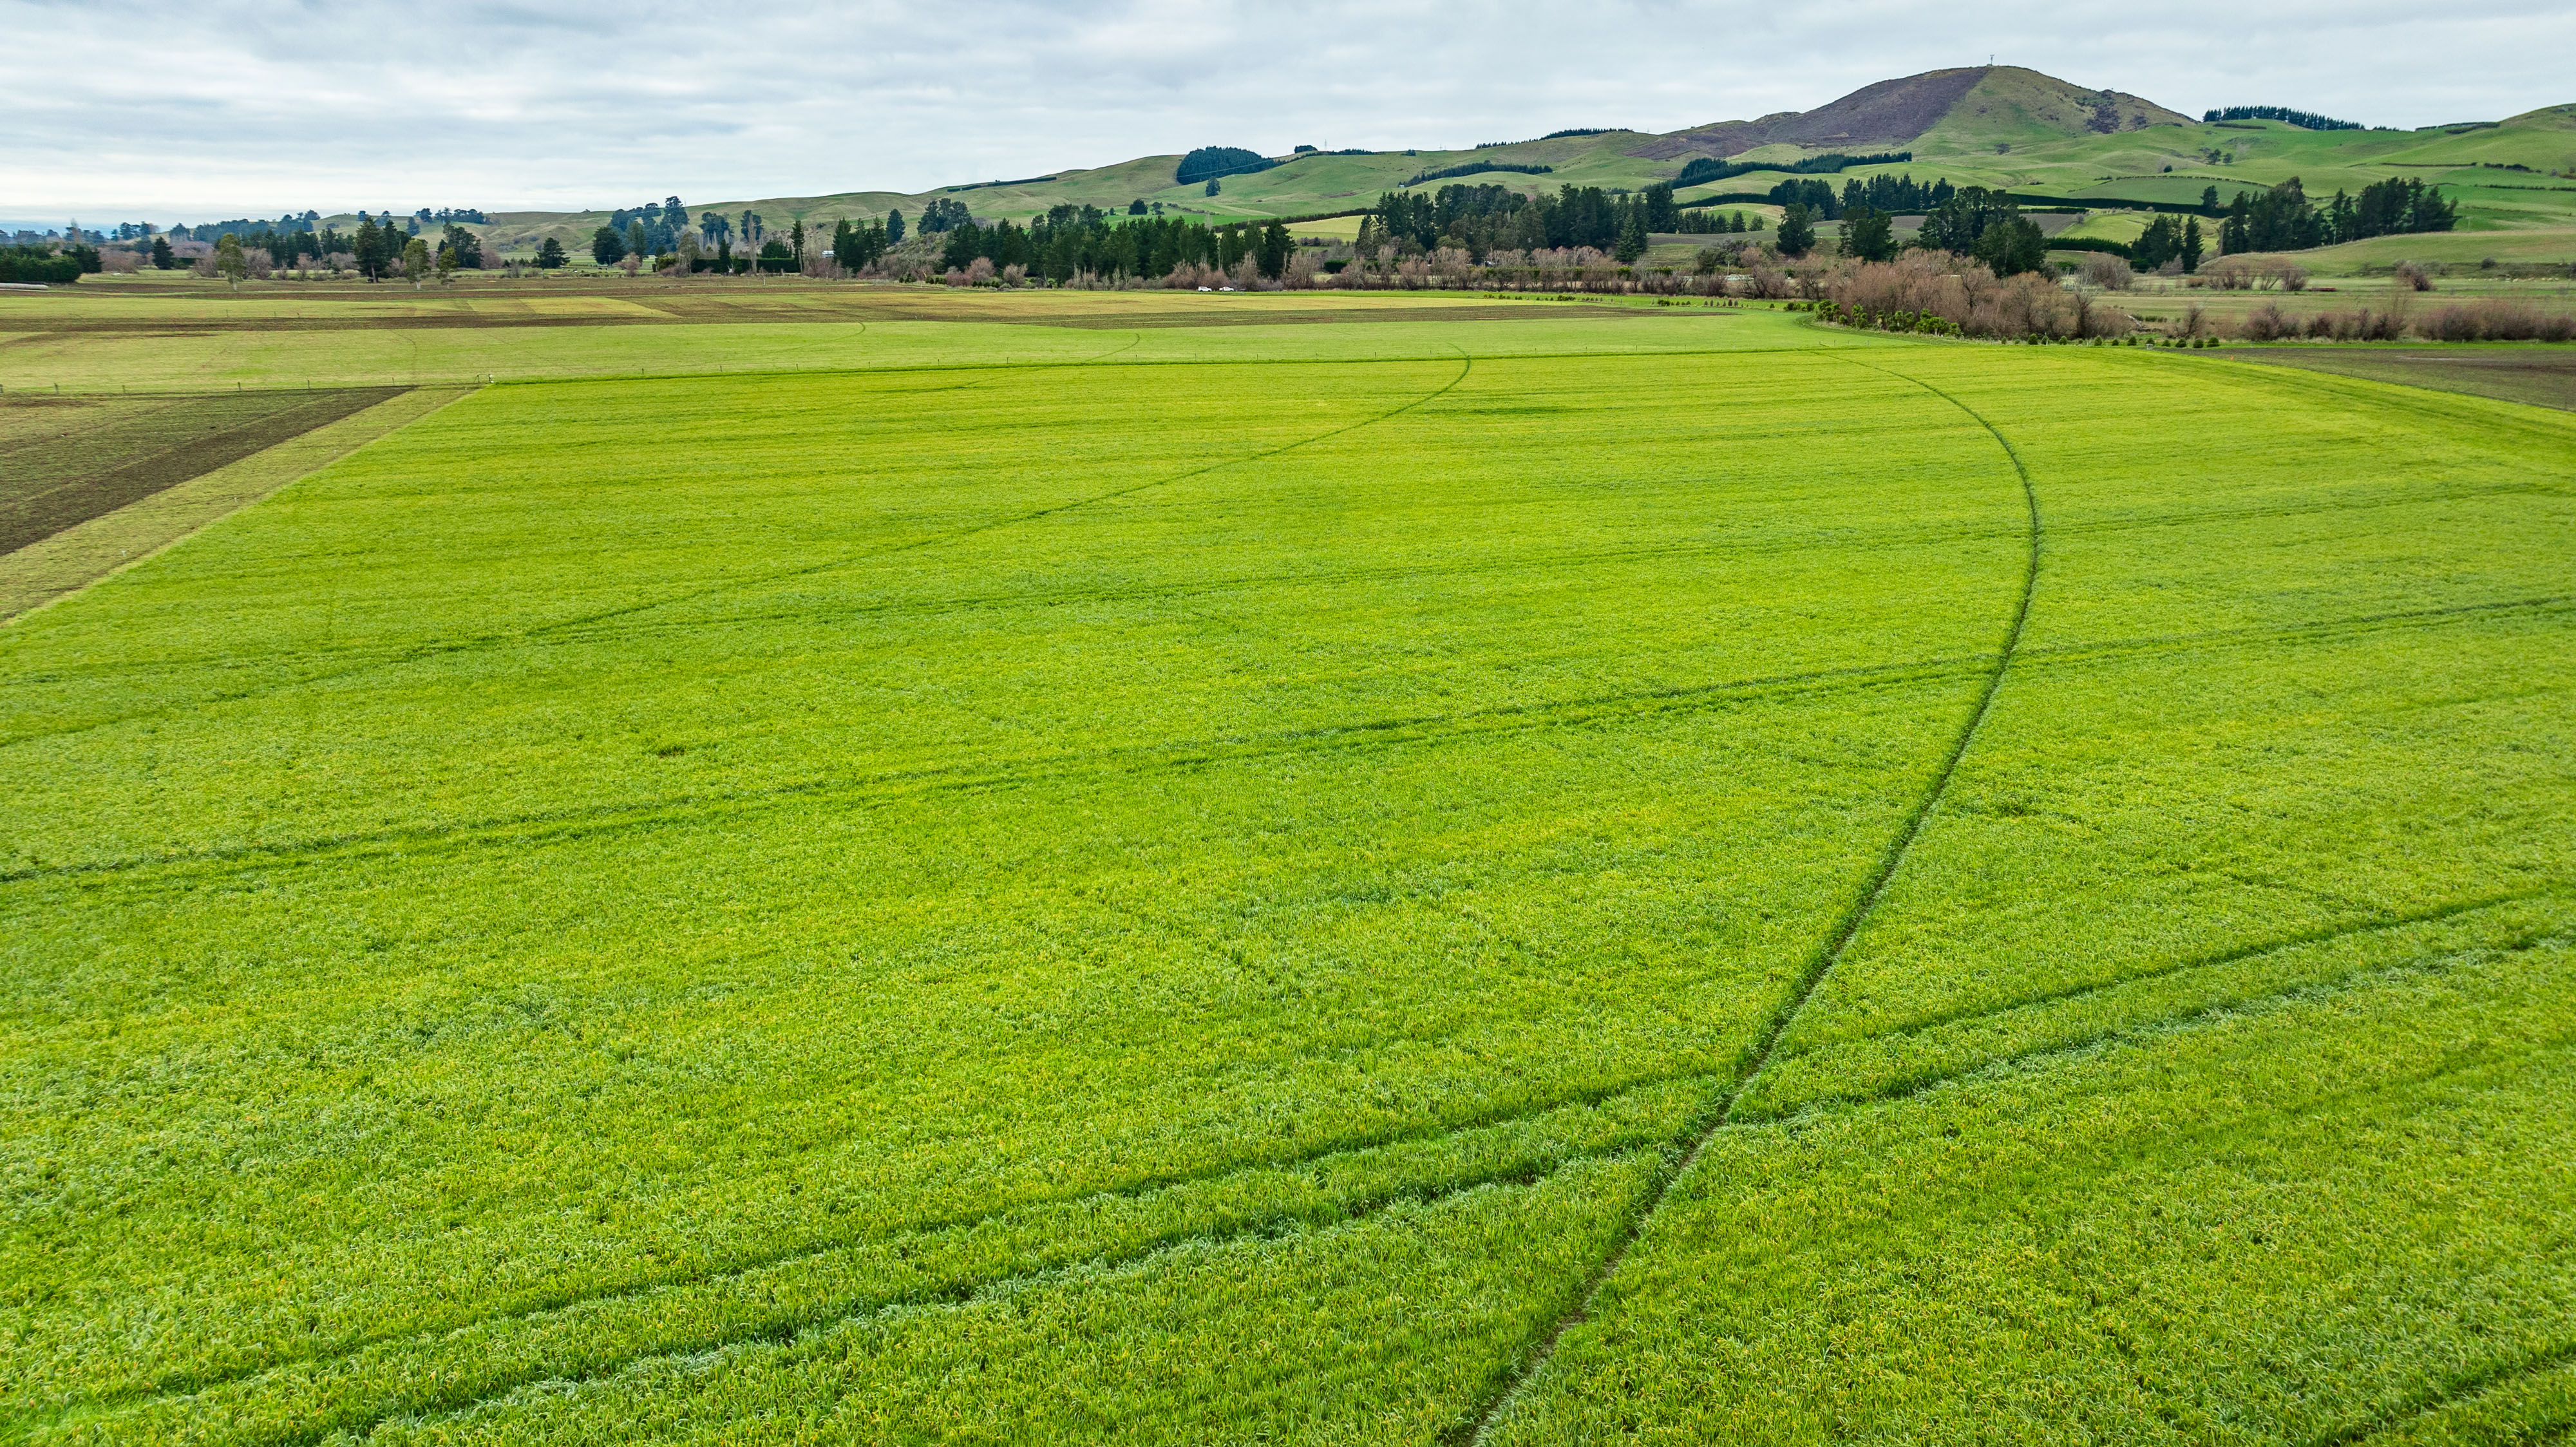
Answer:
(490, 640)
(791, 1322)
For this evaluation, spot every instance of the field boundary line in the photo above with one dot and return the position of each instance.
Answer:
(2531, 417)
(197, 503)
(1479, 1427)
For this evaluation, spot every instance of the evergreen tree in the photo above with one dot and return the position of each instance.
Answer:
(1797, 230)
(2236, 233)
(163, 259)
(607, 247)
(551, 255)
(370, 246)
(1212, 187)
(2012, 245)
(1963, 218)
(635, 238)
(2191, 243)
(1869, 235)
(1632, 235)
(1661, 213)
(1276, 247)
(894, 227)
(1136, 207)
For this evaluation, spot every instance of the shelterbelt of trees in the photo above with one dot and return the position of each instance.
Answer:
(1072, 241)
(1487, 218)
(2283, 219)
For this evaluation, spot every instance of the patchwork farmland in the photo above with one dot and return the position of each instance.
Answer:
(896, 866)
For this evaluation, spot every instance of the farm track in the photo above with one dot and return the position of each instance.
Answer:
(790, 1324)
(1685, 1151)
(1136, 760)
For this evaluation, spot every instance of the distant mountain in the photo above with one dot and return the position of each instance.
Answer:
(1964, 107)
(2002, 126)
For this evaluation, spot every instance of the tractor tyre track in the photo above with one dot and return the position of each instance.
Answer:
(1479, 1427)
(491, 640)
(2039, 1056)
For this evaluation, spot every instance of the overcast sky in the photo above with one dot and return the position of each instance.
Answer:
(151, 110)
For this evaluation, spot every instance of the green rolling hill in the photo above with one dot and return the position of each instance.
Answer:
(2000, 126)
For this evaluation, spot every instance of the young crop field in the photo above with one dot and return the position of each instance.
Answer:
(1520, 876)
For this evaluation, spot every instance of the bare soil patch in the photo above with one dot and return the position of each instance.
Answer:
(66, 460)
(2540, 376)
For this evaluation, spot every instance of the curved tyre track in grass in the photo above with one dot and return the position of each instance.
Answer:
(466, 1389)
(1685, 1151)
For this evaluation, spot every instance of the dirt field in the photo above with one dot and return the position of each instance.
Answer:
(66, 460)
(2542, 376)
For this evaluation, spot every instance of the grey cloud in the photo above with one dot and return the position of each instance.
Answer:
(160, 110)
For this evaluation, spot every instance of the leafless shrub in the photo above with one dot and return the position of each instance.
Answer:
(2252, 273)
(2027, 305)
(2496, 320)
(2413, 276)
(2362, 325)
(2268, 323)
(1969, 297)
(2108, 272)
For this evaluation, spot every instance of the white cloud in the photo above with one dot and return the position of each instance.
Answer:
(157, 110)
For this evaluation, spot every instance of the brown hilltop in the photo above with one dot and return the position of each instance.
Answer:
(1895, 113)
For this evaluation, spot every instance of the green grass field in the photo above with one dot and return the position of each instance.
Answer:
(1528, 876)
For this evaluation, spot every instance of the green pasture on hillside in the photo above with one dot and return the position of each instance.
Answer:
(1007, 883)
